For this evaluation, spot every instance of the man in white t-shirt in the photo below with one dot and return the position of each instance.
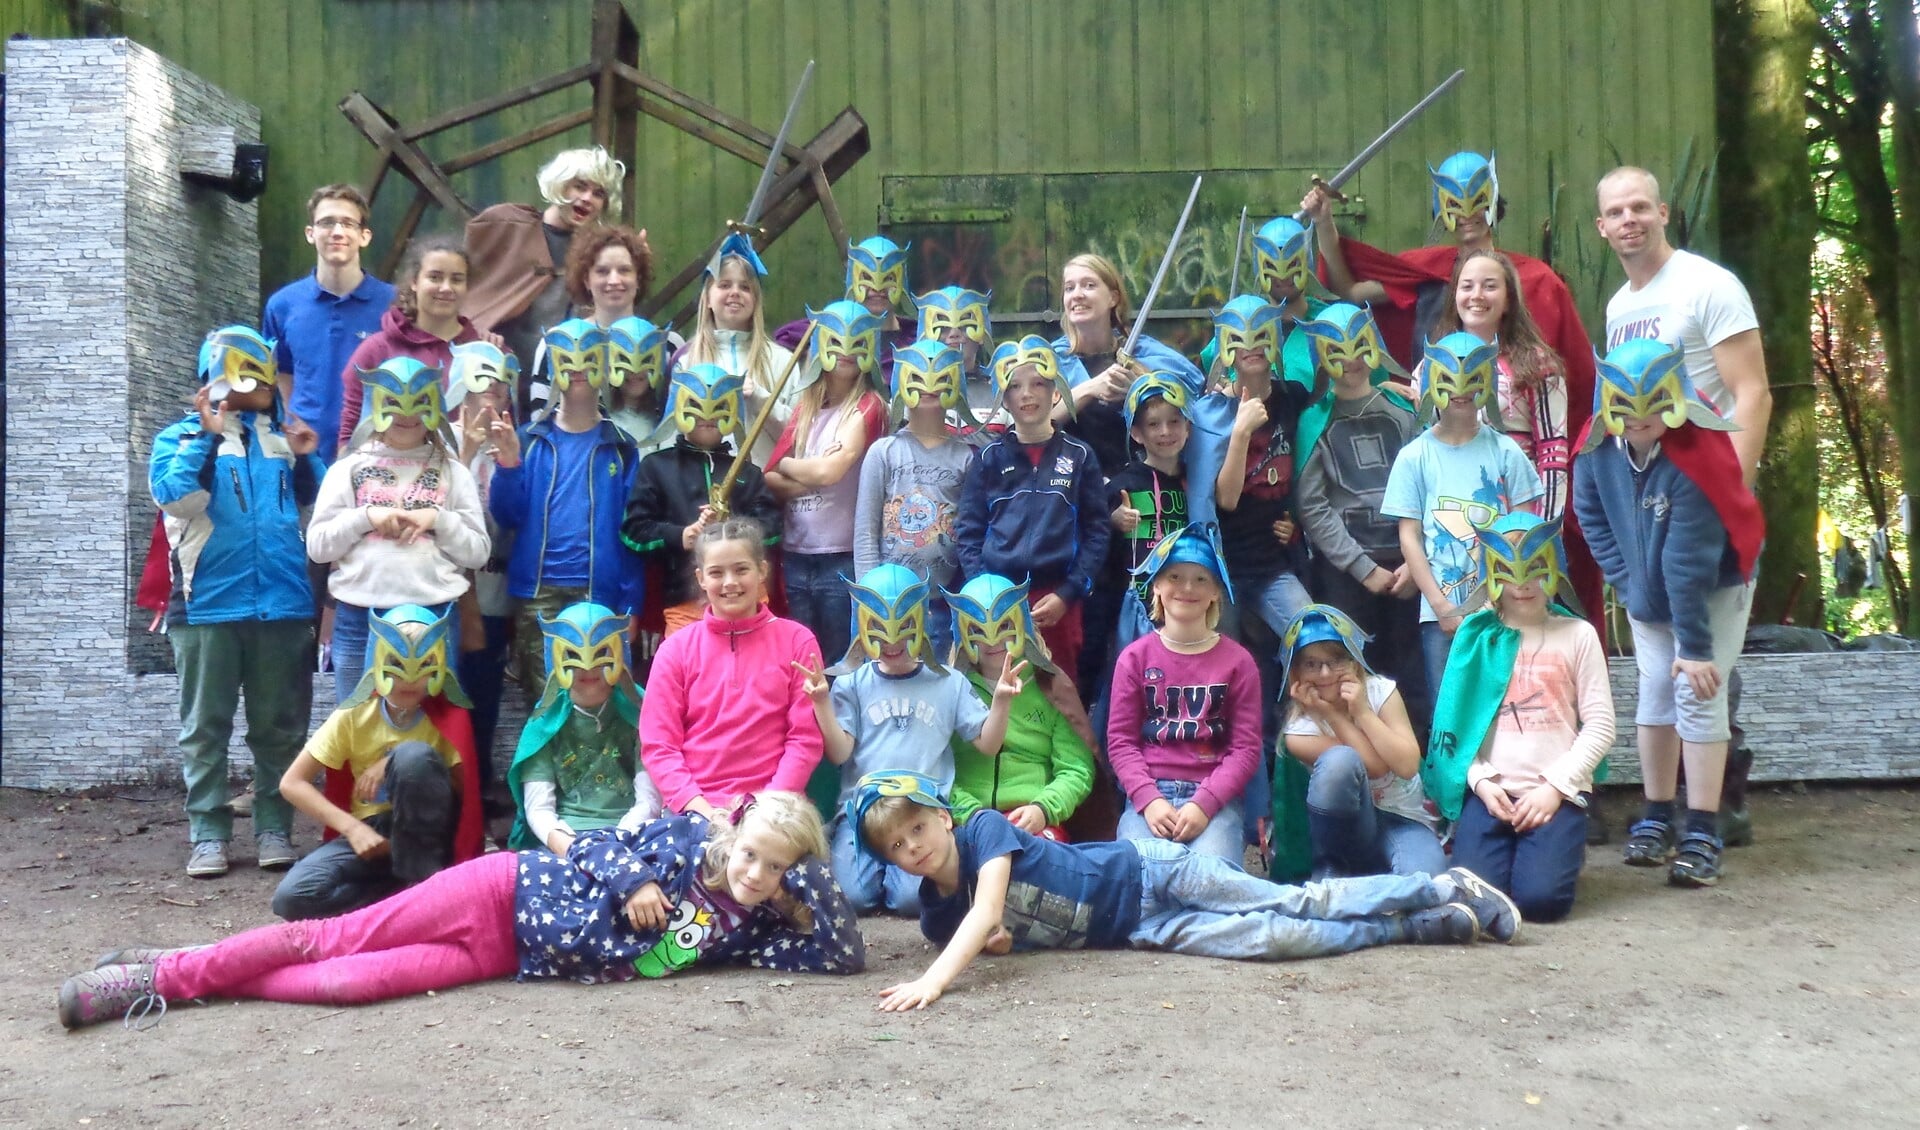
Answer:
(1686, 301)
(1699, 306)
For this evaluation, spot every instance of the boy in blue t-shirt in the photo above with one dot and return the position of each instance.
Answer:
(898, 712)
(990, 886)
(1455, 477)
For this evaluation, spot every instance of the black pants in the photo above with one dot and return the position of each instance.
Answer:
(332, 880)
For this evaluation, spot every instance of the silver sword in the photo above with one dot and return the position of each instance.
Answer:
(779, 146)
(1345, 174)
(1153, 292)
(1239, 244)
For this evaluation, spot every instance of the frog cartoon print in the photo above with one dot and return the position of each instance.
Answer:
(680, 946)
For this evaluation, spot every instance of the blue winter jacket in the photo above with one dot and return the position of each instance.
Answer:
(1657, 538)
(231, 507)
(521, 497)
(1047, 522)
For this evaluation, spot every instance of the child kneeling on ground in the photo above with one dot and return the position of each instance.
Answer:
(1526, 717)
(990, 886)
(402, 797)
(748, 889)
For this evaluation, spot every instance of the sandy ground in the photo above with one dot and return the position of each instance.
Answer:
(1785, 997)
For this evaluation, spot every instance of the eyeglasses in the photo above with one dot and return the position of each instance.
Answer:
(1321, 666)
(331, 223)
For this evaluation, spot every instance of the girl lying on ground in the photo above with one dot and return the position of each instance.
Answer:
(749, 888)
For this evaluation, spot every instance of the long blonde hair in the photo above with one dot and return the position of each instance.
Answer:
(1109, 276)
(705, 350)
(790, 816)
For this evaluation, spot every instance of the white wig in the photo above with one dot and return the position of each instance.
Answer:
(595, 164)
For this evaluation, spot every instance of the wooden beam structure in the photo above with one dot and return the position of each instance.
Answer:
(621, 92)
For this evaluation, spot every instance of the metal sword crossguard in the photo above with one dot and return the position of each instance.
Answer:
(1333, 183)
(717, 496)
(1146, 304)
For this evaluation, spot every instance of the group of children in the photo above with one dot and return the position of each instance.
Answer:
(945, 584)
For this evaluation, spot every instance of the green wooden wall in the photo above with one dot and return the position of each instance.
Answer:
(978, 87)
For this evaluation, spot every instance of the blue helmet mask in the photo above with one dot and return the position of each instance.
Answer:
(1466, 184)
(877, 264)
(1321, 623)
(236, 359)
(1283, 252)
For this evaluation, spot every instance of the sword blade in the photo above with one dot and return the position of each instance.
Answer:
(779, 145)
(1239, 244)
(1379, 143)
(1153, 292)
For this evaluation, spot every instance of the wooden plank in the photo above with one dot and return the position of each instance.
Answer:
(493, 105)
(761, 142)
(418, 167)
(552, 127)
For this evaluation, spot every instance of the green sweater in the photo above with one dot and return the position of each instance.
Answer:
(1043, 761)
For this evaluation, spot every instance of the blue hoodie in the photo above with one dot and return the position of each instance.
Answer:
(1047, 521)
(232, 506)
(521, 499)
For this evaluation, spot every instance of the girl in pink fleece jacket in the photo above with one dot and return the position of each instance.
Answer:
(726, 712)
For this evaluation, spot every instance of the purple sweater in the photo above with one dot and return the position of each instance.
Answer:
(1181, 717)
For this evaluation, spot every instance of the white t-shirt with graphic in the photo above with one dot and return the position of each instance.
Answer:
(1693, 303)
(1393, 793)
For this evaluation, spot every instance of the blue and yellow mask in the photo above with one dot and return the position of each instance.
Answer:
(845, 329)
(236, 359)
(877, 786)
(700, 394)
(991, 611)
(736, 245)
(1518, 548)
(402, 386)
(1458, 367)
(1647, 377)
(1030, 350)
(889, 609)
(953, 307)
(1283, 252)
(636, 353)
(1322, 623)
(1465, 184)
(1341, 333)
(585, 637)
(1196, 544)
(877, 263)
(397, 659)
(475, 367)
(576, 351)
(1157, 386)
(927, 369)
(1247, 324)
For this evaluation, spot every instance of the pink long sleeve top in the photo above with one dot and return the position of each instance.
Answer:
(725, 712)
(1178, 717)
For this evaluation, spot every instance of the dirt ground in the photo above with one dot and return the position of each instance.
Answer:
(1783, 998)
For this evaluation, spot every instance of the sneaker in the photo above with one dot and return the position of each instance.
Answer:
(209, 859)
(116, 991)
(1697, 864)
(1649, 843)
(1451, 925)
(276, 851)
(141, 955)
(1497, 915)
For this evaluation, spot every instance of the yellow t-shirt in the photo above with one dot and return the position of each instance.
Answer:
(354, 738)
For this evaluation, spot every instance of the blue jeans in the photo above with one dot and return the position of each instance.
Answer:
(1351, 836)
(1539, 869)
(353, 643)
(1193, 903)
(817, 597)
(1224, 837)
(1278, 602)
(869, 882)
(1435, 646)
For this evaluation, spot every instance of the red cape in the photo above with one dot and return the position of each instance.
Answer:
(156, 576)
(470, 830)
(1706, 457)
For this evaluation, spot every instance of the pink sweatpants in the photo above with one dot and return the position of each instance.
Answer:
(453, 929)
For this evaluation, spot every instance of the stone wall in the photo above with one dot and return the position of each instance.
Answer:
(115, 269)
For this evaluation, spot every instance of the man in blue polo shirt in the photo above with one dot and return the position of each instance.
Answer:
(319, 319)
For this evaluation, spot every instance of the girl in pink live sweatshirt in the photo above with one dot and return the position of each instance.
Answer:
(1183, 730)
(726, 712)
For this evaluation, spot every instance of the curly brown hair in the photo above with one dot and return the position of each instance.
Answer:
(586, 248)
(1521, 342)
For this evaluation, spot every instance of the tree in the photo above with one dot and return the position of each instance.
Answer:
(1863, 102)
(1767, 225)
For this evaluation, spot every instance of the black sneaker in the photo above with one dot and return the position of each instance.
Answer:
(1698, 862)
(1497, 915)
(1649, 844)
(1451, 925)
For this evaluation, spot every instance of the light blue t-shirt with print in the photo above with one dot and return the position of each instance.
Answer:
(904, 722)
(1451, 489)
